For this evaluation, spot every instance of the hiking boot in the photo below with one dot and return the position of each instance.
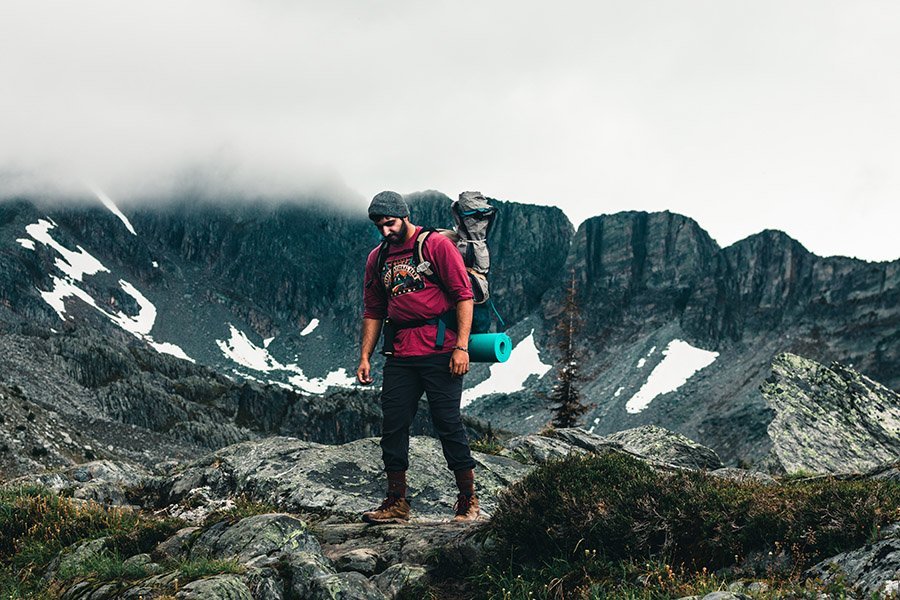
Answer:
(466, 508)
(392, 510)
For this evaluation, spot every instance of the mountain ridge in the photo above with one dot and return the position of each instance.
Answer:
(235, 288)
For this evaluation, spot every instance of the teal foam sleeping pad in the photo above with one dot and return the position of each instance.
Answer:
(489, 347)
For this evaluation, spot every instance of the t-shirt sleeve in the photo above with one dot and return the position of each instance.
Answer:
(449, 265)
(374, 296)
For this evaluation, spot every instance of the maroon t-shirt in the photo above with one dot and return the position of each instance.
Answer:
(403, 294)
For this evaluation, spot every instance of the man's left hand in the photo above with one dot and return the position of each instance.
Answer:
(459, 362)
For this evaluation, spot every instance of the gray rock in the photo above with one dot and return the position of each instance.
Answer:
(872, 569)
(649, 442)
(743, 475)
(265, 584)
(259, 535)
(579, 438)
(829, 419)
(144, 562)
(662, 445)
(537, 449)
(411, 544)
(218, 587)
(103, 481)
(398, 578)
(361, 560)
(179, 544)
(343, 480)
(757, 587)
(313, 579)
(74, 559)
(726, 596)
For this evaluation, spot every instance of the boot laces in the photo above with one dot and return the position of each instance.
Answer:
(462, 505)
(389, 502)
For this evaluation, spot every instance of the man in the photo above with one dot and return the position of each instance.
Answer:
(429, 320)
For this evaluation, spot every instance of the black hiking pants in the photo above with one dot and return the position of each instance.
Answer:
(404, 381)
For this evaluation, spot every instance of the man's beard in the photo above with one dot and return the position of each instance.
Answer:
(397, 239)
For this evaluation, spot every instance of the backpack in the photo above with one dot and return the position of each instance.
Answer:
(474, 218)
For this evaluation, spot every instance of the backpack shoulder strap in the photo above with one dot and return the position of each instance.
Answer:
(424, 266)
(380, 261)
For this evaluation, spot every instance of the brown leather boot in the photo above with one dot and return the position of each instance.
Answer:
(466, 508)
(393, 510)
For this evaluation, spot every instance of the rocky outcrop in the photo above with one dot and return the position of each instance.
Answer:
(650, 443)
(870, 571)
(341, 480)
(317, 547)
(829, 419)
(666, 446)
(103, 481)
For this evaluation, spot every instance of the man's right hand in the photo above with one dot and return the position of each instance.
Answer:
(363, 372)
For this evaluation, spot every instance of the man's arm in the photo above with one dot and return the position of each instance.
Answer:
(459, 360)
(371, 329)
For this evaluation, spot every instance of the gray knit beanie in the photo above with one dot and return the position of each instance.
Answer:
(388, 204)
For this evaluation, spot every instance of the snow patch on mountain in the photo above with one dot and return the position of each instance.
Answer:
(26, 243)
(142, 323)
(172, 349)
(74, 264)
(241, 350)
(310, 327)
(338, 378)
(65, 288)
(511, 375)
(111, 206)
(680, 362)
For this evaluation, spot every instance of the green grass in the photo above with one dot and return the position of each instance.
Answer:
(487, 446)
(609, 526)
(203, 567)
(105, 566)
(36, 525)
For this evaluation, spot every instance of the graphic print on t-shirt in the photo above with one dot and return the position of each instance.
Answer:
(400, 277)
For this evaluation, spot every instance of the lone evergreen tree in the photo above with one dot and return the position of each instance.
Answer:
(565, 392)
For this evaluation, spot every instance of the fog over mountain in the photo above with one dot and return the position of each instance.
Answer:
(742, 116)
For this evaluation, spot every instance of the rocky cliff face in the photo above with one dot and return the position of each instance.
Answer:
(270, 292)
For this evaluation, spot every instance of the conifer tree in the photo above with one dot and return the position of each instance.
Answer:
(566, 393)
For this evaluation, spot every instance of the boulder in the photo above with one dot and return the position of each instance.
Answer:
(259, 535)
(398, 578)
(829, 419)
(658, 444)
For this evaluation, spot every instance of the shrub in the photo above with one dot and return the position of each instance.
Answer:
(625, 512)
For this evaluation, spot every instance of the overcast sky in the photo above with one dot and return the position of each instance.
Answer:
(743, 115)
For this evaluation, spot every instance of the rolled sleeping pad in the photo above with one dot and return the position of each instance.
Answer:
(489, 347)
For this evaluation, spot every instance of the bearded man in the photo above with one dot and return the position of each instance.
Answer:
(426, 321)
